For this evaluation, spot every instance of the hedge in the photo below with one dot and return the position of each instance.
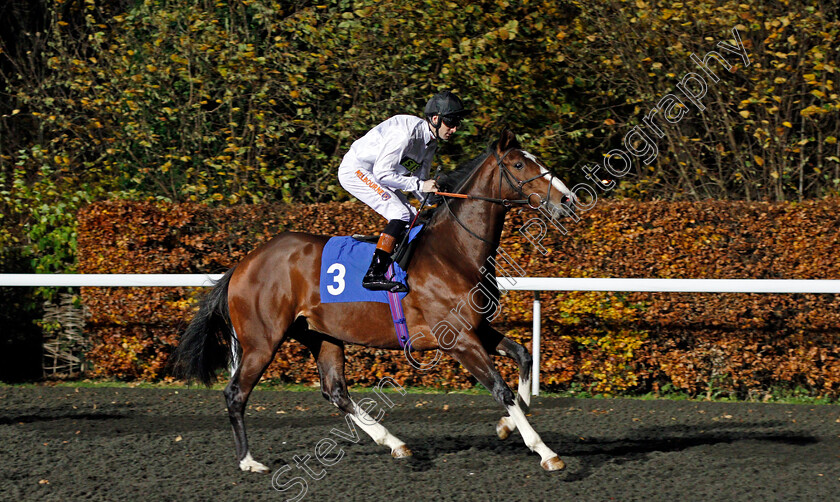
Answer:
(745, 345)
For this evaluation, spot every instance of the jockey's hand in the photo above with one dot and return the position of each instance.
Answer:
(429, 186)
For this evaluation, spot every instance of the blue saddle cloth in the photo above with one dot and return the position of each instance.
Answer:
(344, 263)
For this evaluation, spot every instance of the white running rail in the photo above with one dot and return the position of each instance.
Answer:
(535, 284)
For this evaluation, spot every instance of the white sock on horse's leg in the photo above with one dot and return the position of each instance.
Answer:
(378, 432)
(548, 459)
(523, 397)
(250, 465)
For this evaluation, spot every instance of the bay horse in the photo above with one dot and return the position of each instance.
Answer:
(272, 295)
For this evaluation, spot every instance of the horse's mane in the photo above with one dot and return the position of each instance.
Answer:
(454, 180)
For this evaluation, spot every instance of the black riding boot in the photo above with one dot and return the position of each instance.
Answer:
(375, 279)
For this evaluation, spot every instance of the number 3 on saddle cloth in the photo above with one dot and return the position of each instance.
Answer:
(344, 263)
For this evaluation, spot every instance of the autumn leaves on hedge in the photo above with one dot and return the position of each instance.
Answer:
(741, 344)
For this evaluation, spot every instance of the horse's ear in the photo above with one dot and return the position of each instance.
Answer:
(508, 140)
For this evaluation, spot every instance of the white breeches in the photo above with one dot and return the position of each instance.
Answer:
(390, 204)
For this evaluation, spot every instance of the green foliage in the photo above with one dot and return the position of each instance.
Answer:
(256, 100)
(43, 207)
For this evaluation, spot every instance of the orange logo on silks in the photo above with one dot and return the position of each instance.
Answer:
(374, 185)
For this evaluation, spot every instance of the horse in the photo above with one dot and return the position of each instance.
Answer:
(272, 295)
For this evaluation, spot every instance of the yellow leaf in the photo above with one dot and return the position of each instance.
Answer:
(758, 160)
(744, 113)
(609, 122)
(787, 124)
(774, 175)
(818, 94)
(831, 140)
(811, 110)
(780, 80)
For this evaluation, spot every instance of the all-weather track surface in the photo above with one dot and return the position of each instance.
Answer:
(60, 443)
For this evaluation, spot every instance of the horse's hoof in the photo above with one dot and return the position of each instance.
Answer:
(503, 430)
(248, 464)
(553, 464)
(401, 452)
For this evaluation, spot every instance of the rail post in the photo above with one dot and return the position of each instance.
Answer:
(535, 372)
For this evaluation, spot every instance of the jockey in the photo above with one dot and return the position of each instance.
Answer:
(397, 155)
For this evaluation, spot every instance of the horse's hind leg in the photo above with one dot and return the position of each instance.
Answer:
(470, 352)
(257, 352)
(329, 355)
(496, 343)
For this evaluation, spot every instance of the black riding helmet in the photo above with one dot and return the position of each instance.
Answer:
(448, 107)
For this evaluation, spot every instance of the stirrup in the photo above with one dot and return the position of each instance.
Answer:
(383, 284)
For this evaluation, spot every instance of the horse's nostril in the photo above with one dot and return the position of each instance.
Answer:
(565, 209)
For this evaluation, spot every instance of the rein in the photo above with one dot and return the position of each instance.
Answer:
(504, 202)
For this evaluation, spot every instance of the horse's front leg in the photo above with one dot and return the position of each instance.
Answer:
(470, 352)
(498, 344)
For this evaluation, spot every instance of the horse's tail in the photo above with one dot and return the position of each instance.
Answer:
(208, 342)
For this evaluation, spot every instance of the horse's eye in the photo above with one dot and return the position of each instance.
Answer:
(519, 166)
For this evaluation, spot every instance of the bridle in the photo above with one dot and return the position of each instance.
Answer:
(515, 183)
